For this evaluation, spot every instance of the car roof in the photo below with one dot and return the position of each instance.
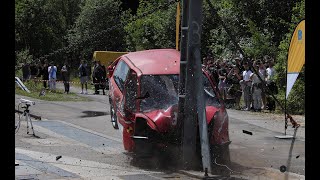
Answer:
(156, 61)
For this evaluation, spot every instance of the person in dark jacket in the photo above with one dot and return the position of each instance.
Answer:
(43, 71)
(65, 74)
(26, 72)
(98, 77)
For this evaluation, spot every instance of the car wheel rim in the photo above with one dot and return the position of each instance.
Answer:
(113, 118)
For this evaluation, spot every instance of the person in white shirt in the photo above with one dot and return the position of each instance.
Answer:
(246, 86)
(270, 72)
(272, 87)
(256, 89)
(52, 70)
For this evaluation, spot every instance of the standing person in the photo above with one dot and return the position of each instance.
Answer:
(222, 72)
(234, 77)
(270, 71)
(246, 86)
(271, 85)
(104, 78)
(65, 74)
(98, 77)
(33, 70)
(26, 72)
(52, 71)
(83, 74)
(43, 71)
(263, 75)
(256, 89)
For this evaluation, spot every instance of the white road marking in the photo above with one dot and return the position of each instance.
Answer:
(88, 130)
(62, 140)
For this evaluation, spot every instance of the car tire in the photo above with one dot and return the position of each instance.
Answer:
(220, 156)
(113, 115)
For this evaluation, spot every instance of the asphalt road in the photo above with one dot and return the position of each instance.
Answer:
(81, 133)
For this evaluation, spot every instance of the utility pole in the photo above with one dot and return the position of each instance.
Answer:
(194, 107)
(183, 63)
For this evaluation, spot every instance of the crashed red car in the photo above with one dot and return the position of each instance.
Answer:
(143, 98)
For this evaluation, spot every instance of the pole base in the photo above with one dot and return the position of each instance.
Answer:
(284, 137)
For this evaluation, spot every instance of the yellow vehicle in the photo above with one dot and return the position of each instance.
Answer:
(107, 57)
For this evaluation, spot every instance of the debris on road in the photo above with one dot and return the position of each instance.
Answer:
(58, 157)
(247, 132)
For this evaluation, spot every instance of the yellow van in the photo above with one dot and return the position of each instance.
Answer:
(107, 57)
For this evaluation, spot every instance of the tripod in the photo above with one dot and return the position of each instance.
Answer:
(27, 118)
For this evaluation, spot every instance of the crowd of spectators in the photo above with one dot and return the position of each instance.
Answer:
(48, 73)
(251, 80)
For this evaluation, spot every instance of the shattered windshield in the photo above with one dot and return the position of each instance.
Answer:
(162, 91)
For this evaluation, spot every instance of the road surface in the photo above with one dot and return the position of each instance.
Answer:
(82, 134)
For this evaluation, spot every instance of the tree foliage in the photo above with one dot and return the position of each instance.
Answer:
(156, 30)
(98, 27)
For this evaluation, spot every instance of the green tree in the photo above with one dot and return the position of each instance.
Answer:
(99, 26)
(156, 30)
(39, 25)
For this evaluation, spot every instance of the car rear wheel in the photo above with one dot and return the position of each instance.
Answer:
(113, 117)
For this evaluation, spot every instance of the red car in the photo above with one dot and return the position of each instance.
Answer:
(143, 96)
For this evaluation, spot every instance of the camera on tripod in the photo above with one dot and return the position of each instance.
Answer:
(27, 102)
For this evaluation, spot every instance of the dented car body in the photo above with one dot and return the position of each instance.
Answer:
(143, 99)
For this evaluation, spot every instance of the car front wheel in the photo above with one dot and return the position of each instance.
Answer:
(113, 117)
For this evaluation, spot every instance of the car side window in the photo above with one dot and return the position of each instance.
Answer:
(120, 74)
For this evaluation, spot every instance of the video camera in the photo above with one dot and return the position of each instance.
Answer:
(27, 102)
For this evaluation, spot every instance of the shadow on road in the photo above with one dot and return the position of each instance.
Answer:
(93, 114)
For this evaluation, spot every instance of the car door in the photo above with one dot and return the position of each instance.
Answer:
(119, 77)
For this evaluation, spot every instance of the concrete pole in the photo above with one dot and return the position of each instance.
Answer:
(194, 107)
(183, 63)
